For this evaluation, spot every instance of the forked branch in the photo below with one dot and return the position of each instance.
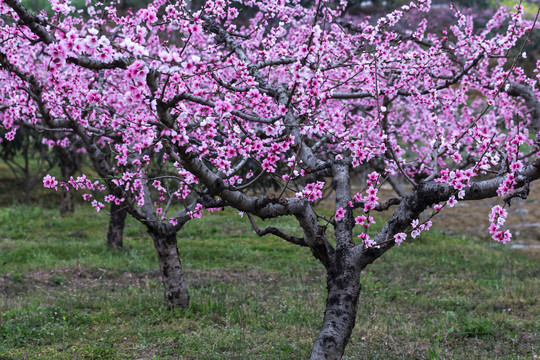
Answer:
(275, 231)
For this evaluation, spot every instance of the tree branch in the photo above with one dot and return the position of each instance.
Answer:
(381, 206)
(275, 231)
(34, 23)
(427, 194)
(199, 100)
(531, 101)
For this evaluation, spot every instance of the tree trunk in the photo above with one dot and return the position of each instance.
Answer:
(174, 281)
(66, 201)
(27, 181)
(343, 286)
(116, 226)
(27, 190)
(68, 167)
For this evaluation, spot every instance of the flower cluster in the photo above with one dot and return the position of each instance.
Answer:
(50, 182)
(367, 240)
(364, 220)
(418, 228)
(340, 214)
(197, 212)
(399, 238)
(312, 192)
(497, 218)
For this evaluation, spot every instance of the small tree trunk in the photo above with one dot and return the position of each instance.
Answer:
(27, 190)
(116, 226)
(66, 201)
(27, 180)
(174, 280)
(68, 167)
(343, 286)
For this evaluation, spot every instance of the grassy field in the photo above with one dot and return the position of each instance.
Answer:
(64, 295)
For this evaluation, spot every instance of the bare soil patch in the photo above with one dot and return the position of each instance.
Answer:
(16, 284)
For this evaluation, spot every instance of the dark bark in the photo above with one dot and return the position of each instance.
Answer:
(27, 190)
(116, 226)
(68, 168)
(66, 200)
(174, 280)
(531, 101)
(343, 287)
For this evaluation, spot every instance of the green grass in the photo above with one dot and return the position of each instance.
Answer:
(64, 295)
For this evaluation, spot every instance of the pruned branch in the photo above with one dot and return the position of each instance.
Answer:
(94, 64)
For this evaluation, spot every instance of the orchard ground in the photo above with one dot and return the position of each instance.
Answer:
(64, 295)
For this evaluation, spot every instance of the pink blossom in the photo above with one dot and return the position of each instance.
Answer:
(452, 201)
(399, 238)
(366, 221)
(97, 205)
(340, 214)
(10, 135)
(197, 213)
(359, 220)
(516, 166)
(50, 182)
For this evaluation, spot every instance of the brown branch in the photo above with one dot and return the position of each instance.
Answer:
(275, 231)
(228, 86)
(33, 22)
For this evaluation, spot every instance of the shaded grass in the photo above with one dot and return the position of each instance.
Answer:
(64, 295)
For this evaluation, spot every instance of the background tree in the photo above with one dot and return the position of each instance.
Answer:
(297, 92)
(27, 158)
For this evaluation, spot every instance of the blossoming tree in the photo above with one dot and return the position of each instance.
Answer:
(296, 91)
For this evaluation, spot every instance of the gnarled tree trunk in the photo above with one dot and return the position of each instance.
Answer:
(174, 280)
(343, 286)
(117, 221)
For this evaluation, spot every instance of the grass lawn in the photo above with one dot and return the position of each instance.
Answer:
(64, 295)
